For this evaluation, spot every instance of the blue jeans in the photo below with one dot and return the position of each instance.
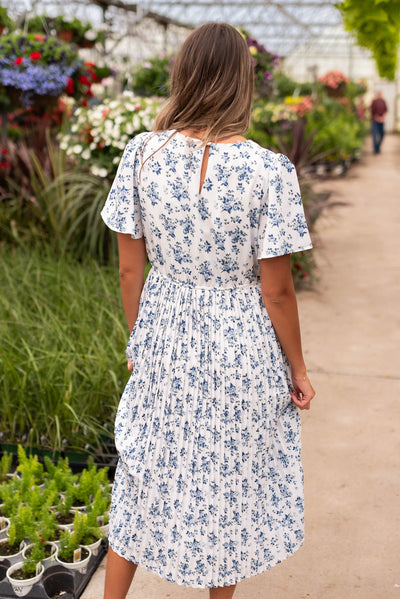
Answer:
(378, 131)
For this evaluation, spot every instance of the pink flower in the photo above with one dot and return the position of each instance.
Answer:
(39, 38)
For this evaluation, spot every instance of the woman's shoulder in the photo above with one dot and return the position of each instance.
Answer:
(270, 159)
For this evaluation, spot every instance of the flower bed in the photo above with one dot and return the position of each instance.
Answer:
(98, 135)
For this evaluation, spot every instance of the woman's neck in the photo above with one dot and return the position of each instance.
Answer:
(199, 134)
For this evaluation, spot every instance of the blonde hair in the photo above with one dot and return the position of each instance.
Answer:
(212, 84)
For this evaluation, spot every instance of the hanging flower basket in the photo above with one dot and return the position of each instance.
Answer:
(336, 92)
(65, 35)
(35, 69)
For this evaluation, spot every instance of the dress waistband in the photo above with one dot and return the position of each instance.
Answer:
(154, 272)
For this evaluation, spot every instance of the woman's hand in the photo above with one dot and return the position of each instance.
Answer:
(303, 392)
(130, 365)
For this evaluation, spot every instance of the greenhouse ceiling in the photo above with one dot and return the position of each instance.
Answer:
(280, 25)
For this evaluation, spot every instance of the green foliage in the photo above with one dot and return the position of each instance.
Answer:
(5, 20)
(286, 86)
(151, 78)
(10, 496)
(62, 361)
(98, 508)
(22, 525)
(60, 474)
(35, 555)
(338, 133)
(90, 481)
(82, 534)
(5, 465)
(47, 204)
(376, 25)
(30, 468)
(46, 523)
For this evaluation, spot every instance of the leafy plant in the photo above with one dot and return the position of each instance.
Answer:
(5, 465)
(5, 20)
(151, 78)
(98, 509)
(22, 525)
(82, 534)
(62, 361)
(35, 556)
(90, 481)
(376, 25)
(30, 468)
(60, 474)
(10, 496)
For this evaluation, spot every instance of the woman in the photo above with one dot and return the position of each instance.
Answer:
(208, 488)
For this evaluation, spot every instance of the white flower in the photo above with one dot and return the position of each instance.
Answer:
(77, 149)
(98, 171)
(90, 35)
(86, 154)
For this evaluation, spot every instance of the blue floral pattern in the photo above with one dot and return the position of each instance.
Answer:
(209, 485)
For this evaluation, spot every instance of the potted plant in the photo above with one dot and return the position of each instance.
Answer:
(98, 514)
(334, 83)
(5, 467)
(20, 528)
(30, 469)
(70, 29)
(64, 513)
(35, 69)
(10, 498)
(23, 575)
(71, 552)
(60, 473)
(90, 481)
(5, 21)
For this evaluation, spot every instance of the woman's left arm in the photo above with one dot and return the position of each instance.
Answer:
(132, 261)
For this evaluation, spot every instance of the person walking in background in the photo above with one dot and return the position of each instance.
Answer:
(209, 485)
(378, 116)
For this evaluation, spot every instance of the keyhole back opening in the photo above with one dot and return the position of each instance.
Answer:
(204, 165)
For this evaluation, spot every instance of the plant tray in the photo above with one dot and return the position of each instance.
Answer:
(56, 580)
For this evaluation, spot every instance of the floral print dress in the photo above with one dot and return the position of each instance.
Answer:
(209, 484)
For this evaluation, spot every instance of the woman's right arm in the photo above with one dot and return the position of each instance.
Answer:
(280, 301)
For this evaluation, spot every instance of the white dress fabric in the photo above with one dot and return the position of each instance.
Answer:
(209, 485)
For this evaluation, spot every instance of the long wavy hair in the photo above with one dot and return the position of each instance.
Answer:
(212, 84)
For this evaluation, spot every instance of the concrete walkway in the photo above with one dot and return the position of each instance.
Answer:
(351, 335)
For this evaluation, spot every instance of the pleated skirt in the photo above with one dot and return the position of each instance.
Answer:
(209, 485)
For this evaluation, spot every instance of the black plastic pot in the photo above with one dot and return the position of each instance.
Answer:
(4, 565)
(58, 582)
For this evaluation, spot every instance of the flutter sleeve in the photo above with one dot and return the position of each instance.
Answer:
(282, 225)
(121, 212)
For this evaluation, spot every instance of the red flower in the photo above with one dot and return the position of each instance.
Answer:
(19, 60)
(89, 93)
(69, 89)
(35, 55)
(89, 64)
(39, 38)
(85, 103)
(84, 80)
(5, 164)
(4, 152)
